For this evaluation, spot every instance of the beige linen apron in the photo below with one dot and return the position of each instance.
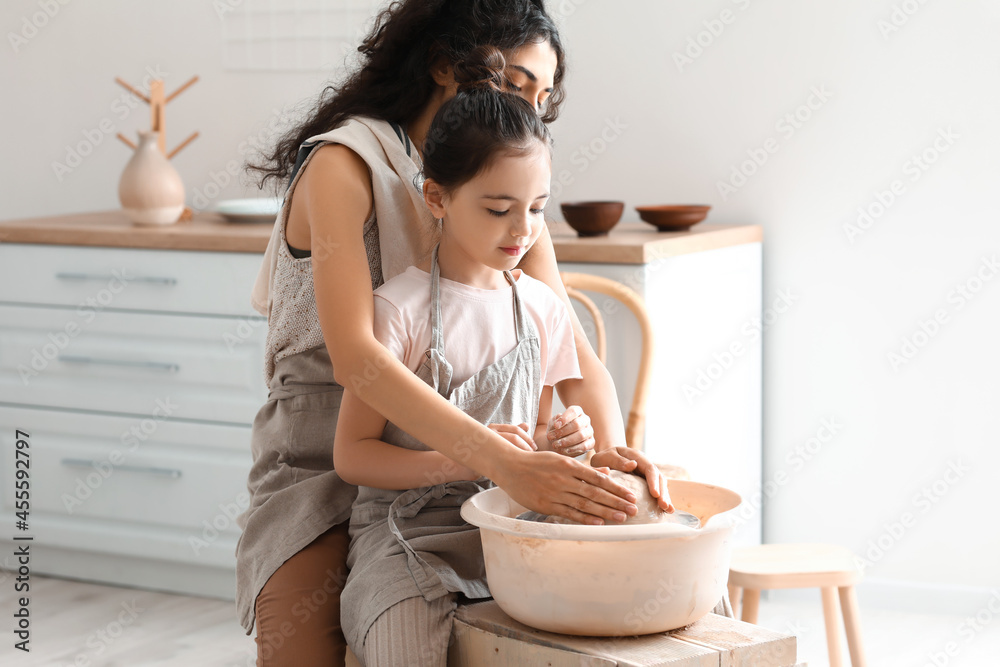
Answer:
(295, 494)
(414, 543)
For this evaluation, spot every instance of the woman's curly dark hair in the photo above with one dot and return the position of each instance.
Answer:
(394, 82)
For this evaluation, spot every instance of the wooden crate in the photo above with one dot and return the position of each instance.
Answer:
(484, 636)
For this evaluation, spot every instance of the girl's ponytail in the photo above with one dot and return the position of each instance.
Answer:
(479, 124)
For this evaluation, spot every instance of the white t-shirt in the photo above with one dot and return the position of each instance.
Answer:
(478, 324)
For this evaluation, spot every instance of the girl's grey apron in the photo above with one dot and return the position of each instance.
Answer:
(414, 543)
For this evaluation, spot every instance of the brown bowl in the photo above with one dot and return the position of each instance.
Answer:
(673, 218)
(593, 218)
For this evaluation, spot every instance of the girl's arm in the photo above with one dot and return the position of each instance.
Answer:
(334, 198)
(544, 413)
(361, 457)
(576, 443)
(595, 394)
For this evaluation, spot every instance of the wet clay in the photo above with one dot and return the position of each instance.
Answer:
(649, 509)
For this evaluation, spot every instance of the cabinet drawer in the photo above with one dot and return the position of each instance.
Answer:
(206, 368)
(180, 483)
(217, 283)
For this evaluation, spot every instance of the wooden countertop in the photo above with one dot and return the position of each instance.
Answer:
(639, 243)
(628, 243)
(111, 229)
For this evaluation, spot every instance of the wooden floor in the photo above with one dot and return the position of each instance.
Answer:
(78, 624)
(74, 623)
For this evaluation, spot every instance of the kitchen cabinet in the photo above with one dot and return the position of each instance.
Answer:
(132, 357)
(136, 372)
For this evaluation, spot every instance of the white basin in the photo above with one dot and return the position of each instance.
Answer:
(611, 580)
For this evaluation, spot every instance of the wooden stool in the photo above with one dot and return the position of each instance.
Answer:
(830, 568)
(484, 636)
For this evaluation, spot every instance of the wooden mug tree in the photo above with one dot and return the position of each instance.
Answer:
(157, 102)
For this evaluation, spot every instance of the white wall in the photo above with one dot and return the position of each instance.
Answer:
(60, 86)
(897, 429)
(675, 133)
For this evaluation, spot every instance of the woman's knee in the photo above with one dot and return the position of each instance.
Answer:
(298, 609)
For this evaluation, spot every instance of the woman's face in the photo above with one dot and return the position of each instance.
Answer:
(531, 71)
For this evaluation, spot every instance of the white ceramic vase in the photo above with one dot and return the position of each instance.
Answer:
(150, 190)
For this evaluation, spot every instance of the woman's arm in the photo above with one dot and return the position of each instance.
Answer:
(361, 456)
(596, 392)
(334, 196)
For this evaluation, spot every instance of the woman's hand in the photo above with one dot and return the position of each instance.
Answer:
(571, 433)
(550, 483)
(515, 435)
(631, 460)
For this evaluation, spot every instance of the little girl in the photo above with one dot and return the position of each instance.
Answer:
(488, 337)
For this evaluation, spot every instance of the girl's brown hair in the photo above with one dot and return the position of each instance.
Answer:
(480, 123)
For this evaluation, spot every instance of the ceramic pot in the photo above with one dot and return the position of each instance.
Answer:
(150, 190)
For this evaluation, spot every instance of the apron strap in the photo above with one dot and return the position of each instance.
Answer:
(437, 330)
(404, 137)
(521, 330)
(284, 391)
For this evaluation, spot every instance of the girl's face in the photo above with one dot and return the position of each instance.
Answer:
(531, 71)
(490, 221)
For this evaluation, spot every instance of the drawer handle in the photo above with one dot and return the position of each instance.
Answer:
(157, 365)
(172, 473)
(94, 276)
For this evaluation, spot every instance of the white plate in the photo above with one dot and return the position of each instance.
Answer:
(249, 210)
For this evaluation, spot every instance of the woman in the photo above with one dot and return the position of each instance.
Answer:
(356, 219)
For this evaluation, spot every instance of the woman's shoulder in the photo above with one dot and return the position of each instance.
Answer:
(360, 133)
(332, 164)
(333, 193)
(348, 150)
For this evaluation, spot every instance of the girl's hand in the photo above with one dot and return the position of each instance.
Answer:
(631, 460)
(570, 433)
(516, 435)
